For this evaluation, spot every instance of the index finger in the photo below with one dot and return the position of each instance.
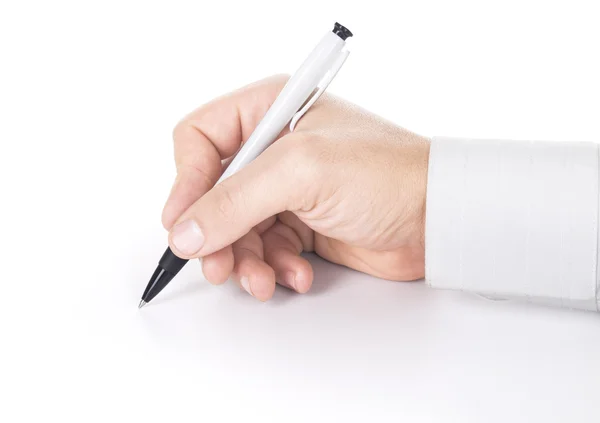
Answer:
(212, 133)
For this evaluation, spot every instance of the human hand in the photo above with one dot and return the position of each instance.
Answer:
(345, 184)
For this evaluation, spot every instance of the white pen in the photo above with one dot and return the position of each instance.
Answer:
(303, 88)
(317, 71)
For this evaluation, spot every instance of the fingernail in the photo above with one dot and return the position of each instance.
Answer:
(187, 237)
(245, 282)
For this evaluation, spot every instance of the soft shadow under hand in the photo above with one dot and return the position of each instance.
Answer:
(327, 278)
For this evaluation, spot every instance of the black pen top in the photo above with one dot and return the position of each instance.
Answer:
(341, 31)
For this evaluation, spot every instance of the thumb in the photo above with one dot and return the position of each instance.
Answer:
(263, 188)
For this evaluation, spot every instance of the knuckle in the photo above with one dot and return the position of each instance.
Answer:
(179, 129)
(198, 172)
(228, 202)
(308, 155)
(185, 131)
(299, 148)
(306, 166)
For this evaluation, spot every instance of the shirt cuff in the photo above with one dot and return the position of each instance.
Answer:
(514, 219)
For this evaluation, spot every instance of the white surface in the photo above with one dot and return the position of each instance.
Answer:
(89, 93)
(514, 219)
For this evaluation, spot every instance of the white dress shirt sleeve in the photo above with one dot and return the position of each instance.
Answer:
(514, 219)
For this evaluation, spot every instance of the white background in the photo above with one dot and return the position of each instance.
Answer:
(89, 93)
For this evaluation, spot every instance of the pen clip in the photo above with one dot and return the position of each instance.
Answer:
(321, 87)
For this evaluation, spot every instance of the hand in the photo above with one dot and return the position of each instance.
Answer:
(345, 184)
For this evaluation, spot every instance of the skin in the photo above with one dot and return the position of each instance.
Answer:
(345, 184)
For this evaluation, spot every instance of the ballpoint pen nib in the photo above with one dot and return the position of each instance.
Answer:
(142, 304)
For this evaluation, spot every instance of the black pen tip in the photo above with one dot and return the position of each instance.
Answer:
(142, 304)
(160, 278)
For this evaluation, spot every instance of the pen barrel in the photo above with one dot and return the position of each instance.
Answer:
(292, 97)
(295, 93)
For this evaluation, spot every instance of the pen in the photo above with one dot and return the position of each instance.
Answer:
(316, 73)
